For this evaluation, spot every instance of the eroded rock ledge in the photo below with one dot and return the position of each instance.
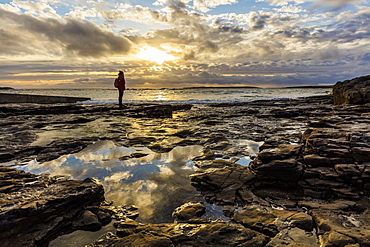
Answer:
(323, 181)
(35, 209)
(308, 186)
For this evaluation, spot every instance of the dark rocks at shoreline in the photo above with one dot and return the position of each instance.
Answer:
(6, 98)
(189, 230)
(308, 185)
(325, 175)
(35, 209)
(354, 91)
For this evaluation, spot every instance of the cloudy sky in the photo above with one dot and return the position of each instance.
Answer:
(181, 43)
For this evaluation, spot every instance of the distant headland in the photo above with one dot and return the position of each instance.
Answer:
(220, 87)
(322, 86)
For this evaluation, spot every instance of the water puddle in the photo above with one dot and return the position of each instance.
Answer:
(244, 161)
(156, 183)
(62, 131)
(249, 146)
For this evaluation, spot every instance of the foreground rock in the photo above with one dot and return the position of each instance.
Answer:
(320, 183)
(6, 98)
(355, 91)
(36, 209)
(307, 186)
(192, 231)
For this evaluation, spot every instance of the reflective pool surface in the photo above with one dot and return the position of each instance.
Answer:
(156, 183)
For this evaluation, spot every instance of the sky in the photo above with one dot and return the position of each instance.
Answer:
(182, 43)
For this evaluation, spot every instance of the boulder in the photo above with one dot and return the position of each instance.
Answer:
(36, 209)
(188, 212)
(355, 91)
(87, 221)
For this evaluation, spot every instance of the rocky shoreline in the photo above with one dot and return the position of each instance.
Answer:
(309, 184)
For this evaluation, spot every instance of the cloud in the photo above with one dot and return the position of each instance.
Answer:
(41, 9)
(206, 5)
(331, 3)
(285, 43)
(282, 2)
(137, 14)
(75, 37)
(257, 21)
(336, 3)
(81, 13)
(290, 9)
(200, 5)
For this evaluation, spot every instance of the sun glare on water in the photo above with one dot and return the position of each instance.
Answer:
(155, 55)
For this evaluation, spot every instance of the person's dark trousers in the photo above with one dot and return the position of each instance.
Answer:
(120, 95)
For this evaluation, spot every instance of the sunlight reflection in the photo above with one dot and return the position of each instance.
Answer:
(160, 97)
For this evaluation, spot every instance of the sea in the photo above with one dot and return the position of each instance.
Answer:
(200, 95)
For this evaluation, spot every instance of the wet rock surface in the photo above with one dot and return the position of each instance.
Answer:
(36, 209)
(308, 184)
(323, 171)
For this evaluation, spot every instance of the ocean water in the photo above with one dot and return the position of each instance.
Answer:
(179, 96)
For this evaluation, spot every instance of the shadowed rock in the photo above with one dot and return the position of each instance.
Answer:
(36, 209)
(6, 98)
(355, 91)
(191, 231)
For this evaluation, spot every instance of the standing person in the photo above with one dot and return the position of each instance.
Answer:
(121, 86)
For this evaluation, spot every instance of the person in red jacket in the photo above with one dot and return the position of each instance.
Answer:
(121, 86)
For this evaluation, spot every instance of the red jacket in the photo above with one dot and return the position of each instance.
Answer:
(121, 83)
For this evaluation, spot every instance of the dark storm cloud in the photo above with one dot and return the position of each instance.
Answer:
(75, 36)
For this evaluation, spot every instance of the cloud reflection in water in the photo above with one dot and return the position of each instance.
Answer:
(156, 182)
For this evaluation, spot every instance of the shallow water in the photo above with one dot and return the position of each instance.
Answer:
(157, 183)
(179, 96)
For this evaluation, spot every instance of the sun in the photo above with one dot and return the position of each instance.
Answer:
(154, 55)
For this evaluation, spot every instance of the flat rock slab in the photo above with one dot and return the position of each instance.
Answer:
(6, 98)
(182, 234)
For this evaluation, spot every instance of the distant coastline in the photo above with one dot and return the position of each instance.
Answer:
(328, 86)
(217, 87)
(6, 88)
(222, 87)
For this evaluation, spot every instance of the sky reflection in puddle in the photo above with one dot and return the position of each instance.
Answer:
(155, 182)
(244, 161)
